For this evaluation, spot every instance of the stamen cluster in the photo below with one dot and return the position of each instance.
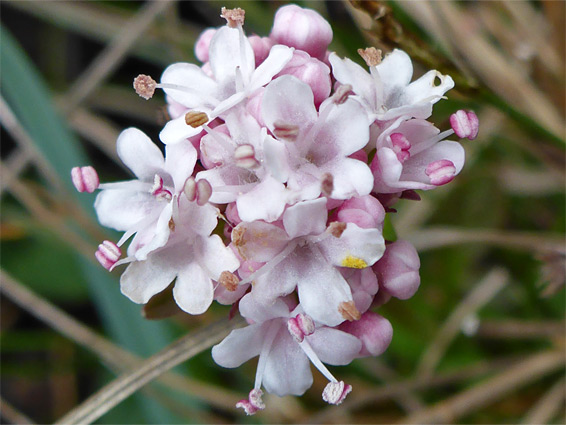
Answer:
(267, 199)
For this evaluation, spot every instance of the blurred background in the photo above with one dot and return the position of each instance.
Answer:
(483, 339)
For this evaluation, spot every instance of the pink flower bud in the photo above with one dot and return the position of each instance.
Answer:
(85, 179)
(374, 331)
(203, 43)
(465, 124)
(261, 47)
(303, 29)
(398, 270)
(108, 254)
(365, 211)
(440, 172)
(310, 71)
(336, 392)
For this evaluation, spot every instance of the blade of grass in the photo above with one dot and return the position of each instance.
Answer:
(28, 97)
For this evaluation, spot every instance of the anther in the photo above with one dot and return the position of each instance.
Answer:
(229, 280)
(203, 192)
(196, 118)
(286, 131)
(401, 146)
(440, 172)
(336, 392)
(85, 179)
(108, 254)
(327, 184)
(370, 55)
(145, 86)
(349, 311)
(300, 326)
(158, 191)
(465, 124)
(336, 228)
(234, 17)
(254, 402)
(341, 94)
(245, 157)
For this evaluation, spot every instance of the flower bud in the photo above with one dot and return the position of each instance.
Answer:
(365, 211)
(374, 332)
(261, 47)
(203, 43)
(310, 71)
(303, 29)
(398, 270)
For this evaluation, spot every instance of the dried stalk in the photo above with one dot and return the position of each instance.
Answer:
(548, 406)
(113, 54)
(520, 329)
(181, 350)
(13, 415)
(491, 390)
(114, 356)
(480, 296)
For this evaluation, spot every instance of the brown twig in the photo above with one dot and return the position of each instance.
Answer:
(9, 412)
(520, 329)
(476, 299)
(548, 406)
(490, 390)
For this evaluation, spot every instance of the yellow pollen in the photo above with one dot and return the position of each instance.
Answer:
(354, 263)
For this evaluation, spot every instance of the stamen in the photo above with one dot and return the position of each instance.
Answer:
(285, 131)
(349, 311)
(327, 184)
(196, 118)
(203, 192)
(300, 326)
(245, 157)
(108, 254)
(85, 179)
(158, 191)
(465, 124)
(401, 146)
(234, 17)
(145, 86)
(336, 392)
(371, 56)
(190, 189)
(341, 94)
(253, 403)
(440, 172)
(229, 280)
(336, 228)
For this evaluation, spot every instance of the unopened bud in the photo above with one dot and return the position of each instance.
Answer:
(145, 86)
(85, 179)
(336, 392)
(370, 55)
(196, 118)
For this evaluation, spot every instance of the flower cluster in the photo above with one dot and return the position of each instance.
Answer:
(266, 197)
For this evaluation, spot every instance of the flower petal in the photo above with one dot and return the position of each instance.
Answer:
(306, 218)
(266, 201)
(196, 88)
(278, 57)
(240, 346)
(177, 130)
(139, 154)
(193, 290)
(333, 346)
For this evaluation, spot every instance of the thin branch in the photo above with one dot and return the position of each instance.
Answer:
(548, 406)
(17, 163)
(439, 237)
(490, 390)
(520, 329)
(476, 299)
(9, 412)
(116, 391)
(114, 356)
(113, 54)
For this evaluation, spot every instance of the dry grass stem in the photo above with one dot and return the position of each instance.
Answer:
(490, 390)
(548, 406)
(483, 293)
(519, 329)
(127, 384)
(17, 162)
(114, 356)
(12, 415)
(114, 53)
(438, 237)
